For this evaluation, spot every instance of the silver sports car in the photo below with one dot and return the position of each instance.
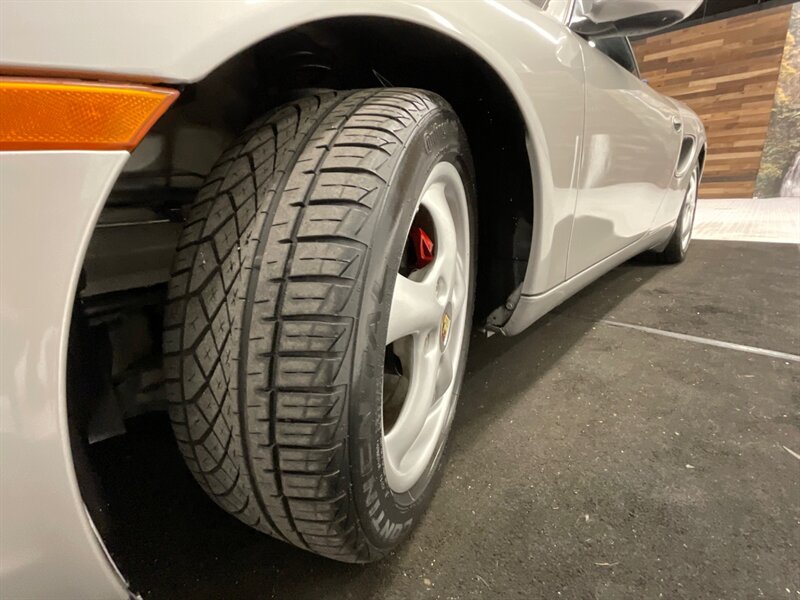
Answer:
(277, 222)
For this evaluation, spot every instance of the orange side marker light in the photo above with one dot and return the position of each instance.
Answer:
(42, 114)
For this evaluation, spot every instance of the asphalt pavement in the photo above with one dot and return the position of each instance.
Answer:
(588, 459)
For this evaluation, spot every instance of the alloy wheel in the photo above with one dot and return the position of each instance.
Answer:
(687, 214)
(427, 323)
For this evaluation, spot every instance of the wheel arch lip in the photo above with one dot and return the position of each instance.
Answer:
(183, 42)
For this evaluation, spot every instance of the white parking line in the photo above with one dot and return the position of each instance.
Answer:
(707, 341)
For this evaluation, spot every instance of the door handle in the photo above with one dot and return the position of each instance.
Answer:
(677, 124)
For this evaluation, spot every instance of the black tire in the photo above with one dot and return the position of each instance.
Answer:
(278, 307)
(675, 252)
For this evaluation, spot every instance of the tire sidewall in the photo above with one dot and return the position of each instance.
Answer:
(685, 251)
(674, 252)
(386, 517)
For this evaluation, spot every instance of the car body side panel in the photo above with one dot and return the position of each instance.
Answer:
(533, 52)
(629, 154)
(532, 307)
(50, 201)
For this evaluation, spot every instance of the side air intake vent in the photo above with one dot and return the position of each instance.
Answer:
(685, 156)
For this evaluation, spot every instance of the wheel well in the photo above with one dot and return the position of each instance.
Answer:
(115, 369)
(122, 291)
(360, 52)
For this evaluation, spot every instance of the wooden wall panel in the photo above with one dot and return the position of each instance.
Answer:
(726, 71)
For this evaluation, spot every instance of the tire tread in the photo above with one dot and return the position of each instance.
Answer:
(262, 309)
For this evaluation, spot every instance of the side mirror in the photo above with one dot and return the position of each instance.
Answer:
(608, 18)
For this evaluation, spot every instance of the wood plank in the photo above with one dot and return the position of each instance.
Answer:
(726, 71)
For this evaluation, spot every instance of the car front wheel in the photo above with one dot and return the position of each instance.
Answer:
(319, 316)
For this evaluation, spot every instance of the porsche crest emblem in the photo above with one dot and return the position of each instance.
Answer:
(444, 330)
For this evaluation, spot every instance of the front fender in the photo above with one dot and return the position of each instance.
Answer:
(536, 56)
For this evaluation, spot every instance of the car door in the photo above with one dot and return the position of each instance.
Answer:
(631, 140)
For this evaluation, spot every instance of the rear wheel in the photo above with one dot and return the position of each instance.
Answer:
(320, 310)
(678, 245)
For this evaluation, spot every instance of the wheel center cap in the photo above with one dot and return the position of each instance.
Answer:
(444, 329)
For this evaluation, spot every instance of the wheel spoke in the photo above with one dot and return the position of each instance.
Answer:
(446, 250)
(418, 402)
(414, 309)
(445, 375)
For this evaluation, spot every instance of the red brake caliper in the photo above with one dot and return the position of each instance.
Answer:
(423, 247)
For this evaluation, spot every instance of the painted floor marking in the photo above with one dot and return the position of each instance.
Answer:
(707, 341)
